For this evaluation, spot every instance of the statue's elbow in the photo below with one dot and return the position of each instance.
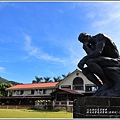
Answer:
(79, 65)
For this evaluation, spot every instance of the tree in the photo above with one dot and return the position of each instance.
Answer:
(38, 79)
(68, 74)
(3, 86)
(47, 79)
(64, 76)
(57, 79)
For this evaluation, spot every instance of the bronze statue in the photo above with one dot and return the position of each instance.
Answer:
(102, 63)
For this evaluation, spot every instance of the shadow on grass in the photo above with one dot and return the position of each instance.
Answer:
(46, 110)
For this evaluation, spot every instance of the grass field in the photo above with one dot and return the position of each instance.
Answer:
(28, 113)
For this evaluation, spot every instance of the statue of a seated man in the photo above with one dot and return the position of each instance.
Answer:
(102, 56)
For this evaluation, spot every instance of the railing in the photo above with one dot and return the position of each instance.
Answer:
(54, 103)
(96, 107)
(61, 103)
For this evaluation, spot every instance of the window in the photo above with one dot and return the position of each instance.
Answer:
(14, 91)
(32, 92)
(77, 74)
(66, 86)
(18, 92)
(77, 87)
(44, 91)
(78, 84)
(90, 88)
(21, 92)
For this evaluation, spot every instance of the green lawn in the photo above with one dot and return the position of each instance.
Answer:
(26, 113)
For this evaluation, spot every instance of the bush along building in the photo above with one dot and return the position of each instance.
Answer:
(51, 95)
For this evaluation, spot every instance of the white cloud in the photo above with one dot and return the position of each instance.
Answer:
(60, 11)
(91, 15)
(2, 69)
(31, 49)
(6, 4)
(106, 14)
(107, 20)
(101, 17)
(39, 53)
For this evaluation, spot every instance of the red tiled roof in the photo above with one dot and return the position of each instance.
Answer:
(34, 85)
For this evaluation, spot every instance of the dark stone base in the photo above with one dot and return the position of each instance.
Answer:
(96, 107)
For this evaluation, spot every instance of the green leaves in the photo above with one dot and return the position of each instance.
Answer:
(3, 86)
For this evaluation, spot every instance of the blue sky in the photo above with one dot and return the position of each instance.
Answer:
(41, 38)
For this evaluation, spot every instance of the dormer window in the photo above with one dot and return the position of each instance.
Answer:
(77, 74)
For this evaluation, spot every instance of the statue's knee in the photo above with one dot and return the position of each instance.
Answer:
(85, 71)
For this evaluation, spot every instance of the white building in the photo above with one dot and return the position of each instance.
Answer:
(58, 95)
(76, 81)
(35, 89)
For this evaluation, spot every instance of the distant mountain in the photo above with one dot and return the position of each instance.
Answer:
(3, 80)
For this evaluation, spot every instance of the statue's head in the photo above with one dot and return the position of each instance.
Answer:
(84, 37)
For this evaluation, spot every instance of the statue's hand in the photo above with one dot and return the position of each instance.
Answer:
(86, 45)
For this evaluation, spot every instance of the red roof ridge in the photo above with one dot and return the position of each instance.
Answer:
(33, 85)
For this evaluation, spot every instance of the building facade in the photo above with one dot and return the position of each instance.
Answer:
(35, 89)
(76, 81)
(59, 94)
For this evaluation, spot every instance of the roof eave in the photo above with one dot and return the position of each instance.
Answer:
(8, 89)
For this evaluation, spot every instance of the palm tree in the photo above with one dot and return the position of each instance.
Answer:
(57, 79)
(64, 76)
(68, 74)
(38, 79)
(47, 79)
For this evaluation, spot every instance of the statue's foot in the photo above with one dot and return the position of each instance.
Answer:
(113, 91)
(102, 89)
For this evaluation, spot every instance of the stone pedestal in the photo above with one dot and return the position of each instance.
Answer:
(96, 107)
